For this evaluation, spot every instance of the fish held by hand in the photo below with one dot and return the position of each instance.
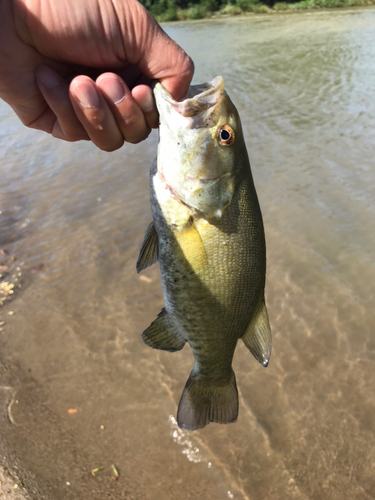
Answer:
(207, 234)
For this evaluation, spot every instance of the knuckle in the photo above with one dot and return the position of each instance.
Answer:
(188, 67)
(132, 120)
(139, 137)
(79, 136)
(109, 148)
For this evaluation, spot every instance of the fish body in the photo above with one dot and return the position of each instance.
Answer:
(207, 234)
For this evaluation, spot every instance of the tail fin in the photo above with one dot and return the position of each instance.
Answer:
(203, 402)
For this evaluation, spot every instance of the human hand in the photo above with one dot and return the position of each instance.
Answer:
(50, 49)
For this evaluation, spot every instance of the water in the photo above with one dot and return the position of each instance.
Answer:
(72, 222)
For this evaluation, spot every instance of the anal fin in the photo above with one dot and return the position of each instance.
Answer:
(149, 251)
(160, 335)
(257, 337)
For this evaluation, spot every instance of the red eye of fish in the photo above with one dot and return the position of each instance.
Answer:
(225, 135)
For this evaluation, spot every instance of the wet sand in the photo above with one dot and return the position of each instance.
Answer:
(80, 391)
(9, 489)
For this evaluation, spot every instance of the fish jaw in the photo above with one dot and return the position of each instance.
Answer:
(199, 171)
(200, 98)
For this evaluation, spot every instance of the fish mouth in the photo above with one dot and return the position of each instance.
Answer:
(199, 98)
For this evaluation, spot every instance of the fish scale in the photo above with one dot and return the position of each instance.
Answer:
(207, 234)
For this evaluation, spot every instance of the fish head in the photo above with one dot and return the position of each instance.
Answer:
(200, 139)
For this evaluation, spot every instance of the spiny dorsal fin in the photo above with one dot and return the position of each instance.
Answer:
(160, 335)
(149, 251)
(257, 336)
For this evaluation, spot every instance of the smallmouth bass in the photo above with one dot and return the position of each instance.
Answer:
(207, 234)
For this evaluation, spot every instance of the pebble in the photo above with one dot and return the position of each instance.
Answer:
(145, 278)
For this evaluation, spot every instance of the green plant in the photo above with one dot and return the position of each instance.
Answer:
(182, 14)
(231, 10)
(169, 15)
(281, 6)
(246, 5)
(197, 11)
(260, 9)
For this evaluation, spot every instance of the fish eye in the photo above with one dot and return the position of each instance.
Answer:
(225, 135)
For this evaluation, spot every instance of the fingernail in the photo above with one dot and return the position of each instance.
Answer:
(48, 78)
(113, 88)
(86, 93)
(148, 104)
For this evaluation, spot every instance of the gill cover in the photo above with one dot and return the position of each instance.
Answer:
(199, 141)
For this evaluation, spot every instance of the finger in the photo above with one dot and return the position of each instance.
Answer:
(140, 87)
(153, 51)
(143, 96)
(62, 120)
(177, 77)
(128, 114)
(95, 114)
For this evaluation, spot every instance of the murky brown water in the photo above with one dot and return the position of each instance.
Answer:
(73, 218)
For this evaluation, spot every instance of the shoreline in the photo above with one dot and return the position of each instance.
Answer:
(197, 13)
(9, 488)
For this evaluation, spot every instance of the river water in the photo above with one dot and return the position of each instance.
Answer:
(72, 220)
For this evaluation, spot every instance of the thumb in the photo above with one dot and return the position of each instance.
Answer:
(155, 53)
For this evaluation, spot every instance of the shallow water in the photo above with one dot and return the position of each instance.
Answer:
(72, 220)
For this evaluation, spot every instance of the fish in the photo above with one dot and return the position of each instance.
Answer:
(207, 235)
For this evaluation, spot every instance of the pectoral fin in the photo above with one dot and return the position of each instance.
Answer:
(257, 336)
(191, 245)
(149, 251)
(160, 335)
